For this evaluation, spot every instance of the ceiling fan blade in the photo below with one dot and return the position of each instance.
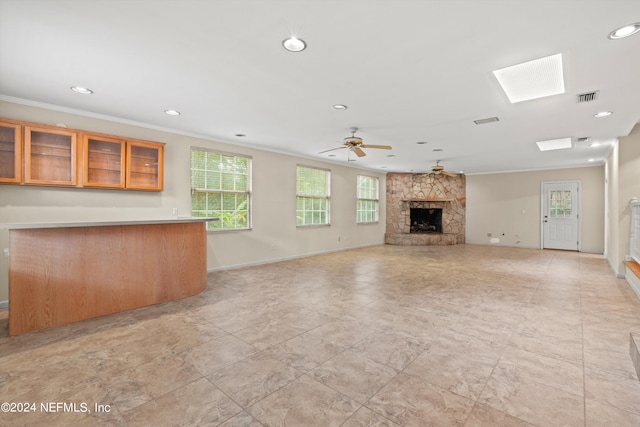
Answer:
(449, 173)
(331, 149)
(382, 147)
(358, 152)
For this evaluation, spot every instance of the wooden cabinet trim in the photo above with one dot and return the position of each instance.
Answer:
(131, 172)
(87, 158)
(28, 160)
(17, 153)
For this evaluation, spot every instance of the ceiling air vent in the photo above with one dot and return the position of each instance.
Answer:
(484, 121)
(587, 96)
(583, 139)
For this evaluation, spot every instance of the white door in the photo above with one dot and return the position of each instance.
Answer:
(560, 228)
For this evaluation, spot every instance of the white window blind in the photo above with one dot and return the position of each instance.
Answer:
(221, 188)
(312, 196)
(635, 230)
(367, 199)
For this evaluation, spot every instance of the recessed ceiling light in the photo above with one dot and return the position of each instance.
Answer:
(554, 144)
(391, 155)
(421, 142)
(331, 155)
(437, 149)
(294, 44)
(240, 135)
(82, 90)
(603, 114)
(172, 112)
(591, 160)
(383, 167)
(339, 107)
(533, 79)
(626, 31)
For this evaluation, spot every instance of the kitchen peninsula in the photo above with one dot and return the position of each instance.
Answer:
(70, 271)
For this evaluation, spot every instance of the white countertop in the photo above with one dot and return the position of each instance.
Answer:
(177, 220)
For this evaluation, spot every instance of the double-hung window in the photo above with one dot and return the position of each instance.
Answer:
(367, 199)
(312, 196)
(221, 188)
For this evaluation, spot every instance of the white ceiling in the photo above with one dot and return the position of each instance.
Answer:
(408, 71)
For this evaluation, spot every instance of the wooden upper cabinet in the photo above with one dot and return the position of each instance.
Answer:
(10, 153)
(50, 156)
(40, 154)
(145, 165)
(103, 160)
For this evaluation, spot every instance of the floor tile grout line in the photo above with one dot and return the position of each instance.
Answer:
(584, 372)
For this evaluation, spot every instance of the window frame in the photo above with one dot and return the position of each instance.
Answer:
(376, 201)
(218, 225)
(326, 198)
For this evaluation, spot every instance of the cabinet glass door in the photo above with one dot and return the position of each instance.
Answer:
(50, 156)
(103, 162)
(145, 166)
(10, 153)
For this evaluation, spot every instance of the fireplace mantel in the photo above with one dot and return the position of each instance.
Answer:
(427, 200)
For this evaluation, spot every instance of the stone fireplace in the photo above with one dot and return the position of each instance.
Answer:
(425, 209)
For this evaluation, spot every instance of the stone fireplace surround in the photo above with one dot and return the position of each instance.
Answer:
(426, 191)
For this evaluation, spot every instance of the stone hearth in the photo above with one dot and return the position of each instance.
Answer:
(425, 191)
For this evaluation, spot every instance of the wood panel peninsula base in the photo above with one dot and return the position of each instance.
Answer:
(63, 273)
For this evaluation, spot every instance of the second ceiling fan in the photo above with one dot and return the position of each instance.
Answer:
(438, 170)
(355, 144)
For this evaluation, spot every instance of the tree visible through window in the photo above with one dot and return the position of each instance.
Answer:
(221, 188)
(560, 204)
(312, 196)
(367, 195)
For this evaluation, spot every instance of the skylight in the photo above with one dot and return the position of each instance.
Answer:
(531, 80)
(554, 144)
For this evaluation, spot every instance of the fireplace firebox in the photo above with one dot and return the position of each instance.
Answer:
(426, 220)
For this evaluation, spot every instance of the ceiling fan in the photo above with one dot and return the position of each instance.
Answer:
(437, 169)
(354, 143)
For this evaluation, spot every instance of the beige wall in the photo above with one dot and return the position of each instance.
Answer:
(508, 205)
(274, 235)
(611, 208)
(623, 180)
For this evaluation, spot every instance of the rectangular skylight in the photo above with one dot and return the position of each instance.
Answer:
(531, 80)
(554, 144)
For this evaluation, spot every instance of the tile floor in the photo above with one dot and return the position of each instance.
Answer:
(381, 336)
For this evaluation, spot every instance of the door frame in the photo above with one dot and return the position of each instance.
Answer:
(579, 218)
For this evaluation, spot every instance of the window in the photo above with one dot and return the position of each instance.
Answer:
(221, 188)
(560, 204)
(312, 196)
(367, 195)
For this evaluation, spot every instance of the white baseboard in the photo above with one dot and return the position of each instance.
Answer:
(273, 260)
(633, 281)
(615, 270)
(4, 305)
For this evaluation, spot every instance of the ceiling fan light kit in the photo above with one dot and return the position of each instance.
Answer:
(437, 169)
(354, 143)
